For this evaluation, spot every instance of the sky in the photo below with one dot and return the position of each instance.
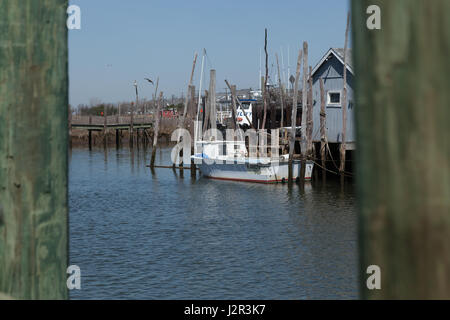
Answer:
(122, 41)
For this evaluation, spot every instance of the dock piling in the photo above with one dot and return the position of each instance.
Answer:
(33, 149)
(294, 118)
(281, 93)
(156, 129)
(212, 99)
(90, 139)
(344, 105)
(303, 141)
(403, 167)
(323, 138)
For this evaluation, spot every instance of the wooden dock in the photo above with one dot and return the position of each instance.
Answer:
(98, 123)
(138, 127)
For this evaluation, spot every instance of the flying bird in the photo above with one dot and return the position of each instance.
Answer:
(148, 80)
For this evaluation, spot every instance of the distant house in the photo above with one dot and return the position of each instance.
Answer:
(330, 69)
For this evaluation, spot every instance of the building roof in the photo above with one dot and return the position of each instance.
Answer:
(339, 54)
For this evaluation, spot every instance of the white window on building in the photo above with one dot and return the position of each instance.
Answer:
(334, 98)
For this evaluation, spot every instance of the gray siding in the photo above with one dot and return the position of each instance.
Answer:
(332, 73)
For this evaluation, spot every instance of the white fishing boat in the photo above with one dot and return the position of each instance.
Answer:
(229, 160)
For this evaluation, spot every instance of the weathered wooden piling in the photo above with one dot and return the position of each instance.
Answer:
(403, 168)
(212, 98)
(235, 99)
(281, 93)
(344, 104)
(294, 118)
(182, 119)
(137, 138)
(265, 91)
(187, 123)
(155, 94)
(323, 138)
(309, 118)
(206, 112)
(192, 113)
(191, 78)
(192, 108)
(133, 107)
(156, 129)
(90, 139)
(105, 125)
(33, 149)
(90, 134)
(233, 106)
(263, 83)
(131, 131)
(303, 142)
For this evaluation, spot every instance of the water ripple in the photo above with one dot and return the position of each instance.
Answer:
(141, 236)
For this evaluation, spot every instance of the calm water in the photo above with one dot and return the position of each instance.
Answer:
(138, 235)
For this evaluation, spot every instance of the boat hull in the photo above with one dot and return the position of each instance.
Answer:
(247, 172)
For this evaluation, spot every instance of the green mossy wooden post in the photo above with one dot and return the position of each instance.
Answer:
(402, 110)
(33, 149)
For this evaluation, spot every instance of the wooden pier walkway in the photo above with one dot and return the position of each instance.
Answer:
(138, 128)
(98, 123)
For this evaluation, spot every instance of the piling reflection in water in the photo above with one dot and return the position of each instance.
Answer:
(142, 234)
